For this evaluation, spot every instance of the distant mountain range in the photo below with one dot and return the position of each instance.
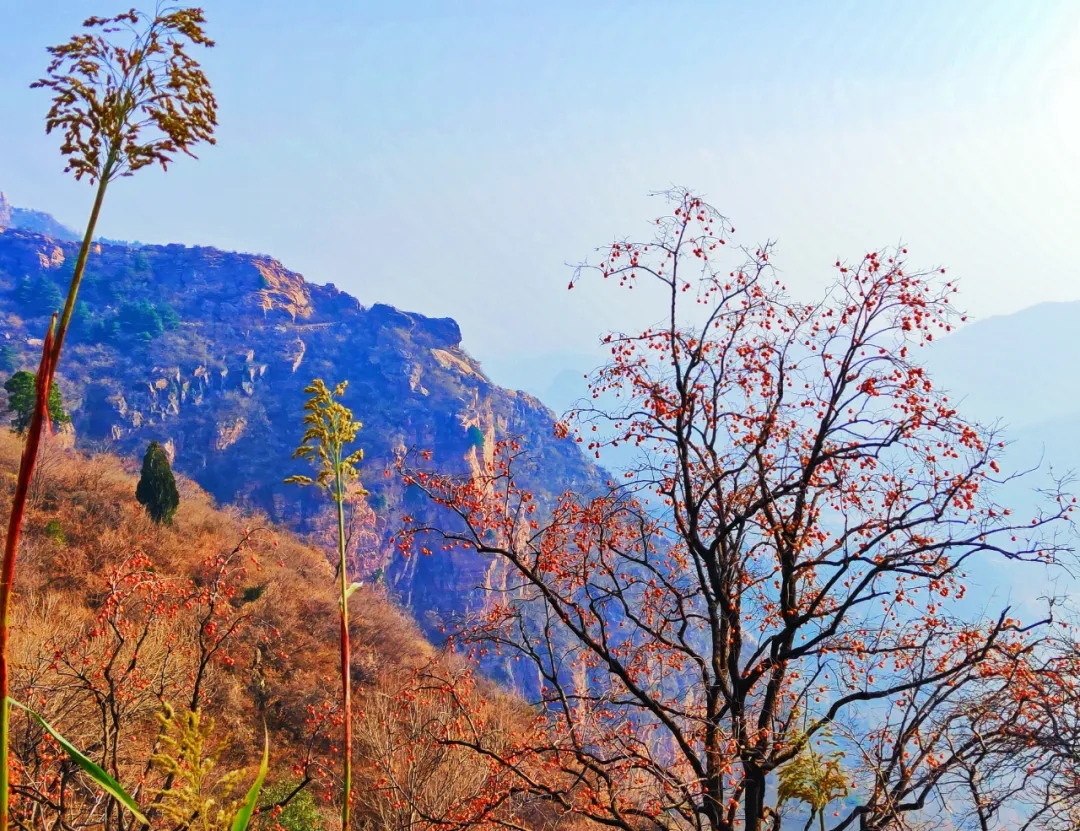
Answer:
(1019, 367)
(1018, 373)
(1020, 370)
(39, 222)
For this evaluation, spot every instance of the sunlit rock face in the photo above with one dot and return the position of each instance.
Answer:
(208, 352)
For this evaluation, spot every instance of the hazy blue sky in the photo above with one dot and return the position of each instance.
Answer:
(451, 157)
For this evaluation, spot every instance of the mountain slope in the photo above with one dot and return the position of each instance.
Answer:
(86, 538)
(209, 352)
(1019, 367)
(37, 222)
(1020, 370)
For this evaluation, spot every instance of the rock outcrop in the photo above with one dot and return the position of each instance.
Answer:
(208, 352)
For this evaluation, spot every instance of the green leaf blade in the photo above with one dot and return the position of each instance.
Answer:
(243, 816)
(103, 779)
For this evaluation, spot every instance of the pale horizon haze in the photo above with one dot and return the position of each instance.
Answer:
(451, 158)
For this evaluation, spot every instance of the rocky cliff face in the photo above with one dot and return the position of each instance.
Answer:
(208, 352)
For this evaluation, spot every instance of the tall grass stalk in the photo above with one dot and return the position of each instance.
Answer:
(126, 94)
(330, 429)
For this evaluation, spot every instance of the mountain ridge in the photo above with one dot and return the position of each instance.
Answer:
(209, 351)
(40, 222)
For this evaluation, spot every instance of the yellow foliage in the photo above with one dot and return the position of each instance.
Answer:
(814, 779)
(330, 427)
(197, 799)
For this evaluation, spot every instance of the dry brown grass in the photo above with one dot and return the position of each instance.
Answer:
(284, 657)
(283, 663)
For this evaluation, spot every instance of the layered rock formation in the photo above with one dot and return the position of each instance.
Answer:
(208, 352)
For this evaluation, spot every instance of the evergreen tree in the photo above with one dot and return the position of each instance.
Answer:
(22, 393)
(156, 490)
(49, 297)
(9, 357)
(24, 292)
(169, 318)
(82, 321)
(35, 296)
(141, 320)
(45, 296)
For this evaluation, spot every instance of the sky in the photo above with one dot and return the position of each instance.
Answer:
(451, 158)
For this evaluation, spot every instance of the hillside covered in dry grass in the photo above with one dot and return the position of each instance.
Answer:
(222, 613)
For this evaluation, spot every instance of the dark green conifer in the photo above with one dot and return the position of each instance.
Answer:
(156, 490)
(22, 393)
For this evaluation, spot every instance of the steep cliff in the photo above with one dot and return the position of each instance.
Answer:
(208, 352)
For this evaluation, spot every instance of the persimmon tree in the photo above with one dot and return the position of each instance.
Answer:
(786, 560)
(1049, 738)
(1029, 776)
(415, 739)
(101, 679)
(154, 639)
